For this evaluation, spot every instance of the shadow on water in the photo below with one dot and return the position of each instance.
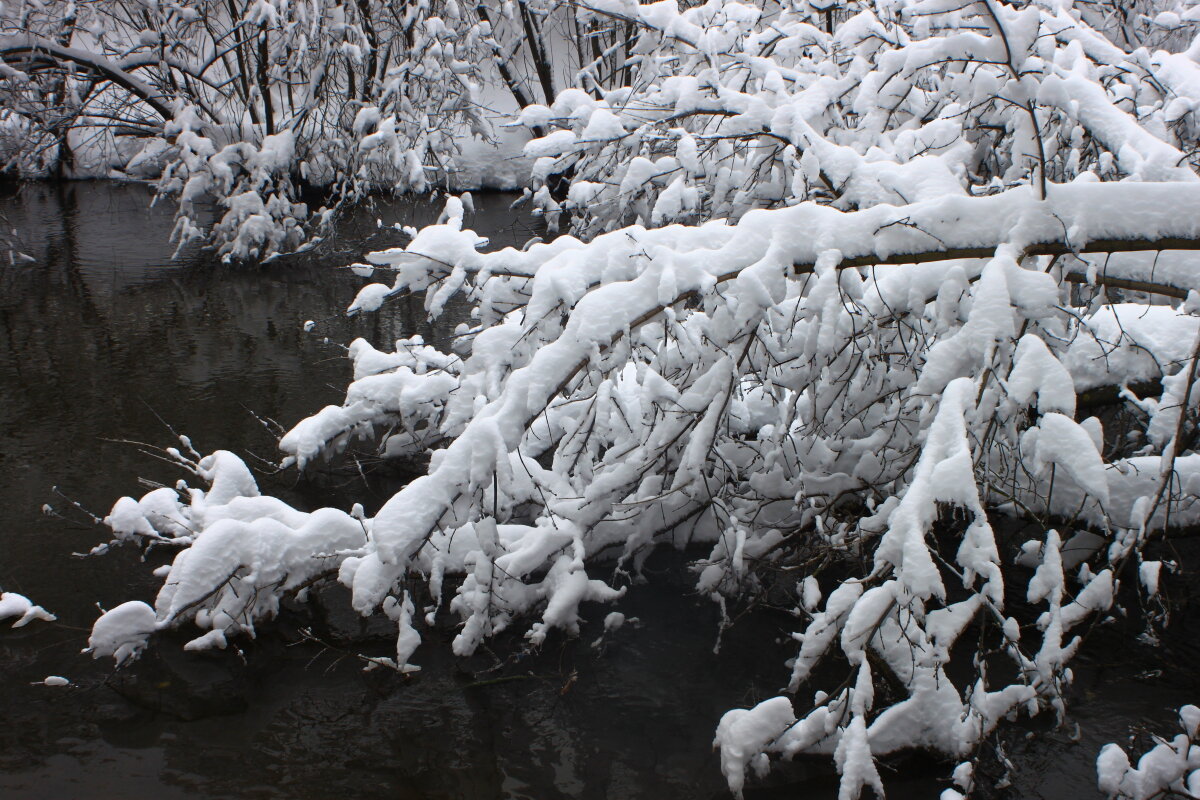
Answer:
(101, 335)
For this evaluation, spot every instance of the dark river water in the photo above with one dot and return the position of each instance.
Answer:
(105, 340)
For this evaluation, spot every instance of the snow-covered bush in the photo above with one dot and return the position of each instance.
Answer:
(1169, 769)
(832, 392)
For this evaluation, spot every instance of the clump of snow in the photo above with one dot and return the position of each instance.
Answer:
(743, 735)
(1131, 340)
(369, 298)
(19, 606)
(122, 632)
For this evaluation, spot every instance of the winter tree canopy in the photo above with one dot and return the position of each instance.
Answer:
(839, 285)
(268, 106)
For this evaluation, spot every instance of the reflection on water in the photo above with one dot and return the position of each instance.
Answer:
(102, 338)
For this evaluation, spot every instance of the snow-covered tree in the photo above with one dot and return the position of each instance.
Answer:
(262, 105)
(735, 107)
(845, 282)
(239, 102)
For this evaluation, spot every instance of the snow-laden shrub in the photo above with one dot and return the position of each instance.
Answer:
(1169, 769)
(834, 397)
(241, 553)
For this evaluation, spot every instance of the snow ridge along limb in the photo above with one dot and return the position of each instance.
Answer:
(1076, 218)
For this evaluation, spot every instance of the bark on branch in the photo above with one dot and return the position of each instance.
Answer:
(1052, 248)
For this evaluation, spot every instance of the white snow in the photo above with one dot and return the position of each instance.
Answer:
(122, 632)
(1171, 767)
(744, 733)
(19, 606)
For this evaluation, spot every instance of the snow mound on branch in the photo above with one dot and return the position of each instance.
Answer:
(1172, 766)
(389, 389)
(1037, 371)
(19, 606)
(1059, 441)
(122, 632)
(241, 553)
(743, 735)
(1134, 341)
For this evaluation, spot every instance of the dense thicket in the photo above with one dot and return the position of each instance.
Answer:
(263, 105)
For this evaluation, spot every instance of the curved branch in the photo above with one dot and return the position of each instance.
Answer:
(39, 49)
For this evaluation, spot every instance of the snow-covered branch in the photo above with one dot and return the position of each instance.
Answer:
(834, 288)
(1169, 769)
(23, 51)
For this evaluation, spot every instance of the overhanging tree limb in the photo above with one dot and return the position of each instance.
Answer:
(1077, 218)
(1074, 219)
(1047, 249)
